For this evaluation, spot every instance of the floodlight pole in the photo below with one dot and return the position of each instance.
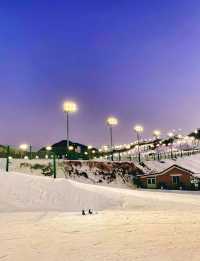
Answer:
(67, 117)
(54, 165)
(138, 139)
(111, 141)
(30, 152)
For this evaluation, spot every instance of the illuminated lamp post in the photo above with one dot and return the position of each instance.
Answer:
(180, 137)
(86, 154)
(48, 149)
(111, 122)
(89, 147)
(138, 129)
(93, 153)
(156, 134)
(171, 135)
(23, 148)
(69, 107)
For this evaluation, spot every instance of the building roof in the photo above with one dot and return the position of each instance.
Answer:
(168, 169)
(190, 163)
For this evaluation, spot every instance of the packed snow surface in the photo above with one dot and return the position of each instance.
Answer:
(21, 192)
(34, 193)
(36, 222)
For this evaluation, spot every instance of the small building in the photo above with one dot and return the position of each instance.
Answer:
(173, 177)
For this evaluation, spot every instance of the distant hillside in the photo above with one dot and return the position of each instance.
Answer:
(78, 151)
(12, 151)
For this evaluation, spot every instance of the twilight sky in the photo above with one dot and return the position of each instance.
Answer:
(138, 60)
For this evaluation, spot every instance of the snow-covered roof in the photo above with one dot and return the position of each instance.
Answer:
(191, 163)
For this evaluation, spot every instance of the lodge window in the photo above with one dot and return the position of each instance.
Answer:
(151, 181)
(175, 180)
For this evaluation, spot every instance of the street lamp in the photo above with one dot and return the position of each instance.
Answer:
(138, 129)
(71, 148)
(69, 107)
(48, 149)
(180, 142)
(89, 148)
(156, 134)
(171, 135)
(111, 122)
(24, 147)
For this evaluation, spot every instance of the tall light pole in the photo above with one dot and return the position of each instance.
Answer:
(89, 147)
(138, 129)
(69, 107)
(171, 135)
(180, 137)
(111, 122)
(30, 152)
(23, 147)
(49, 148)
(156, 134)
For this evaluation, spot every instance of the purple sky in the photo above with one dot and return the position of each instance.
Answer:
(138, 60)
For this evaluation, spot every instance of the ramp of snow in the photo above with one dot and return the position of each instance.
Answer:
(21, 192)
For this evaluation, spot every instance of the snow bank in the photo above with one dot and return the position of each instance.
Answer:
(21, 192)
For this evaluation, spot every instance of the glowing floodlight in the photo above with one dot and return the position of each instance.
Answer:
(138, 128)
(112, 121)
(23, 147)
(156, 133)
(69, 106)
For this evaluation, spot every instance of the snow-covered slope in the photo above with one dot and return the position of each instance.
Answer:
(21, 192)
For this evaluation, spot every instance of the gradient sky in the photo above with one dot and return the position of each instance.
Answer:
(138, 60)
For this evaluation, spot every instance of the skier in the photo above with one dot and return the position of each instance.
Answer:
(90, 212)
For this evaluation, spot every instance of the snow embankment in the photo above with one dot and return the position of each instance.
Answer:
(21, 192)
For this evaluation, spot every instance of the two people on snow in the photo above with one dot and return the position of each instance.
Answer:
(90, 212)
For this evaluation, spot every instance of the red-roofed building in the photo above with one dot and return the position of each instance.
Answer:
(174, 177)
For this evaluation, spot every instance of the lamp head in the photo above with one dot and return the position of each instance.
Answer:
(138, 128)
(112, 121)
(23, 147)
(69, 106)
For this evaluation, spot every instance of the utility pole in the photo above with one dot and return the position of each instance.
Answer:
(30, 152)
(54, 165)
(7, 158)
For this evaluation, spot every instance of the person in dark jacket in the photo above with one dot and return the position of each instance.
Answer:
(90, 212)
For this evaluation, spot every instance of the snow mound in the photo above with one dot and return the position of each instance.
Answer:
(21, 192)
